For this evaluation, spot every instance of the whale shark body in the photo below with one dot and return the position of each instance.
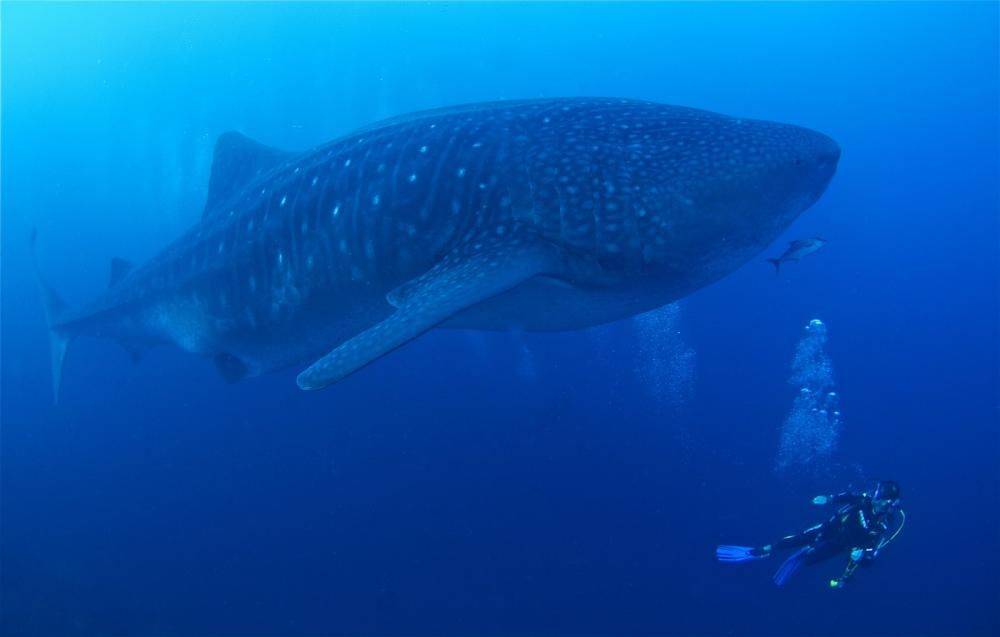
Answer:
(536, 215)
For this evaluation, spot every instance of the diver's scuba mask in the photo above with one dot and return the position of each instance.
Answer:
(883, 503)
(883, 507)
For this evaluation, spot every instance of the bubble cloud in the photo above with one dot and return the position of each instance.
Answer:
(810, 432)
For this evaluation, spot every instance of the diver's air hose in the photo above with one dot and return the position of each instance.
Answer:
(902, 523)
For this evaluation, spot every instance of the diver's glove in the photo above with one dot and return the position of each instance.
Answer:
(821, 499)
(836, 583)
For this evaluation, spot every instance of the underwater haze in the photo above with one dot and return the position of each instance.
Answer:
(508, 482)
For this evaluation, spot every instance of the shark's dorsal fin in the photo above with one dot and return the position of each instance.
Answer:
(237, 162)
(458, 282)
(119, 269)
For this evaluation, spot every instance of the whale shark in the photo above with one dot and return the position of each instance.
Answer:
(550, 214)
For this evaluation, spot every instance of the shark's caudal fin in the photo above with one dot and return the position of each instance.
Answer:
(777, 265)
(456, 283)
(54, 306)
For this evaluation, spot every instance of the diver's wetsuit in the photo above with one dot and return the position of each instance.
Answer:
(863, 525)
(855, 528)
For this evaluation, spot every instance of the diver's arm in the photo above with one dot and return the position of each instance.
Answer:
(837, 498)
(848, 572)
(858, 556)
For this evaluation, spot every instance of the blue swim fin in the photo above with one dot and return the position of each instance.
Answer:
(731, 553)
(791, 565)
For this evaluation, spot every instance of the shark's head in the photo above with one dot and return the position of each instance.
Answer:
(732, 186)
(787, 169)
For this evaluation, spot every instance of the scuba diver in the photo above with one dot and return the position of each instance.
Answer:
(862, 526)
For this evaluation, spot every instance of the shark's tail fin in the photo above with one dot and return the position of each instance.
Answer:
(59, 338)
(777, 265)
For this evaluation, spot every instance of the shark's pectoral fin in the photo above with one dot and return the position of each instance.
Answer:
(451, 286)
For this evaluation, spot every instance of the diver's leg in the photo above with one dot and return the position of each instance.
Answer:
(799, 539)
(824, 550)
(809, 552)
(730, 553)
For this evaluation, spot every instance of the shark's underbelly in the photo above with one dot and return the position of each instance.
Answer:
(264, 331)
(545, 304)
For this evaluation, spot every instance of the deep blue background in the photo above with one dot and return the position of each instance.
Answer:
(449, 489)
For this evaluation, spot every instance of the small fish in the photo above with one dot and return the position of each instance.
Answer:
(796, 250)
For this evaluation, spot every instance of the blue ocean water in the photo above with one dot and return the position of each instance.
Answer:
(473, 483)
